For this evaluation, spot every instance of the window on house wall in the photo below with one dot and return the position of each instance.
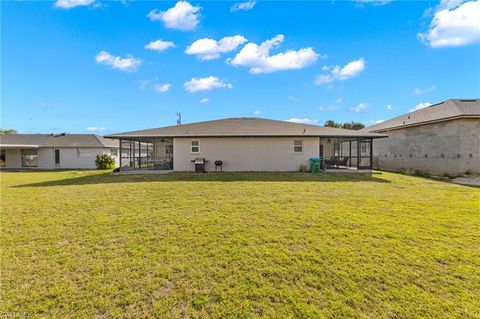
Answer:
(169, 150)
(29, 158)
(364, 147)
(298, 146)
(57, 157)
(82, 153)
(2, 158)
(195, 146)
(336, 149)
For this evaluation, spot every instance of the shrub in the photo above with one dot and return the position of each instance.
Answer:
(105, 161)
(450, 176)
(421, 173)
(468, 172)
(303, 168)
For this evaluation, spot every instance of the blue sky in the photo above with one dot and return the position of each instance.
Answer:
(83, 65)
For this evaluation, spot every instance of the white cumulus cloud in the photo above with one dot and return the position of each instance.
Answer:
(389, 107)
(95, 129)
(258, 58)
(159, 45)
(128, 64)
(328, 108)
(209, 49)
(257, 112)
(302, 120)
(454, 23)
(420, 91)
(162, 88)
(205, 100)
(205, 84)
(243, 6)
(338, 73)
(68, 4)
(374, 2)
(183, 16)
(359, 108)
(420, 106)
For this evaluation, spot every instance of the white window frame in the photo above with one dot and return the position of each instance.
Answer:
(197, 146)
(295, 145)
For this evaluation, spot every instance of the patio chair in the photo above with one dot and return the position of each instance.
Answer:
(343, 161)
(332, 161)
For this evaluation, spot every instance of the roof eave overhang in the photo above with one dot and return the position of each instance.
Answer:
(393, 128)
(10, 146)
(132, 137)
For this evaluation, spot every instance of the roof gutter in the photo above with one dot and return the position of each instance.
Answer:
(9, 146)
(371, 135)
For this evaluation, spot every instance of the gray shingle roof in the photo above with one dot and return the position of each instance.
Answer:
(448, 109)
(50, 140)
(243, 127)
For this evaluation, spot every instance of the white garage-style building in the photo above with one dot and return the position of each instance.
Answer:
(54, 151)
(244, 144)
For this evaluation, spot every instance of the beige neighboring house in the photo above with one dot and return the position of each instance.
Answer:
(54, 151)
(244, 144)
(441, 138)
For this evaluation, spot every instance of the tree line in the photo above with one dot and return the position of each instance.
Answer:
(348, 125)
(7, 131)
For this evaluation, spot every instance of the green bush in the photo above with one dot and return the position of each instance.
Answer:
(421, 173)
(105, 161)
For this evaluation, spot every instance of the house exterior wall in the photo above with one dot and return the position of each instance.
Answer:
(245, 153)
(69, 158)
(13, 158)
(447, 147)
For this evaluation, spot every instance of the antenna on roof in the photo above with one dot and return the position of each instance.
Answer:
(179, 118)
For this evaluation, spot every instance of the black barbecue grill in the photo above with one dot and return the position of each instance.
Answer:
(219, 164)
(200, 164)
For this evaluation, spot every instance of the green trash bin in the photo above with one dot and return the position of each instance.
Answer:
(315, 164)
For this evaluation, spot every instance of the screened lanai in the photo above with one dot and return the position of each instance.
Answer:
(146, 153)
(346, 152)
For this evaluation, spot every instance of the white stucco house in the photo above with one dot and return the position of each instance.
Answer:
(244, 144)
(53, 151)
(441, 138)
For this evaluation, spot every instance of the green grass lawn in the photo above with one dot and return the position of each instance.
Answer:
(83, 244)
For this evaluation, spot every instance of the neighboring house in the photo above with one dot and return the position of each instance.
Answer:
(442, 138)
(243, 144)
(53, 151)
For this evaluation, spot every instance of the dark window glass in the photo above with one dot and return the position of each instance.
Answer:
(57, 157)
(3, 158)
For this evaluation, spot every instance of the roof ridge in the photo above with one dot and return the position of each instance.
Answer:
(451, 108)
(96, 137)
